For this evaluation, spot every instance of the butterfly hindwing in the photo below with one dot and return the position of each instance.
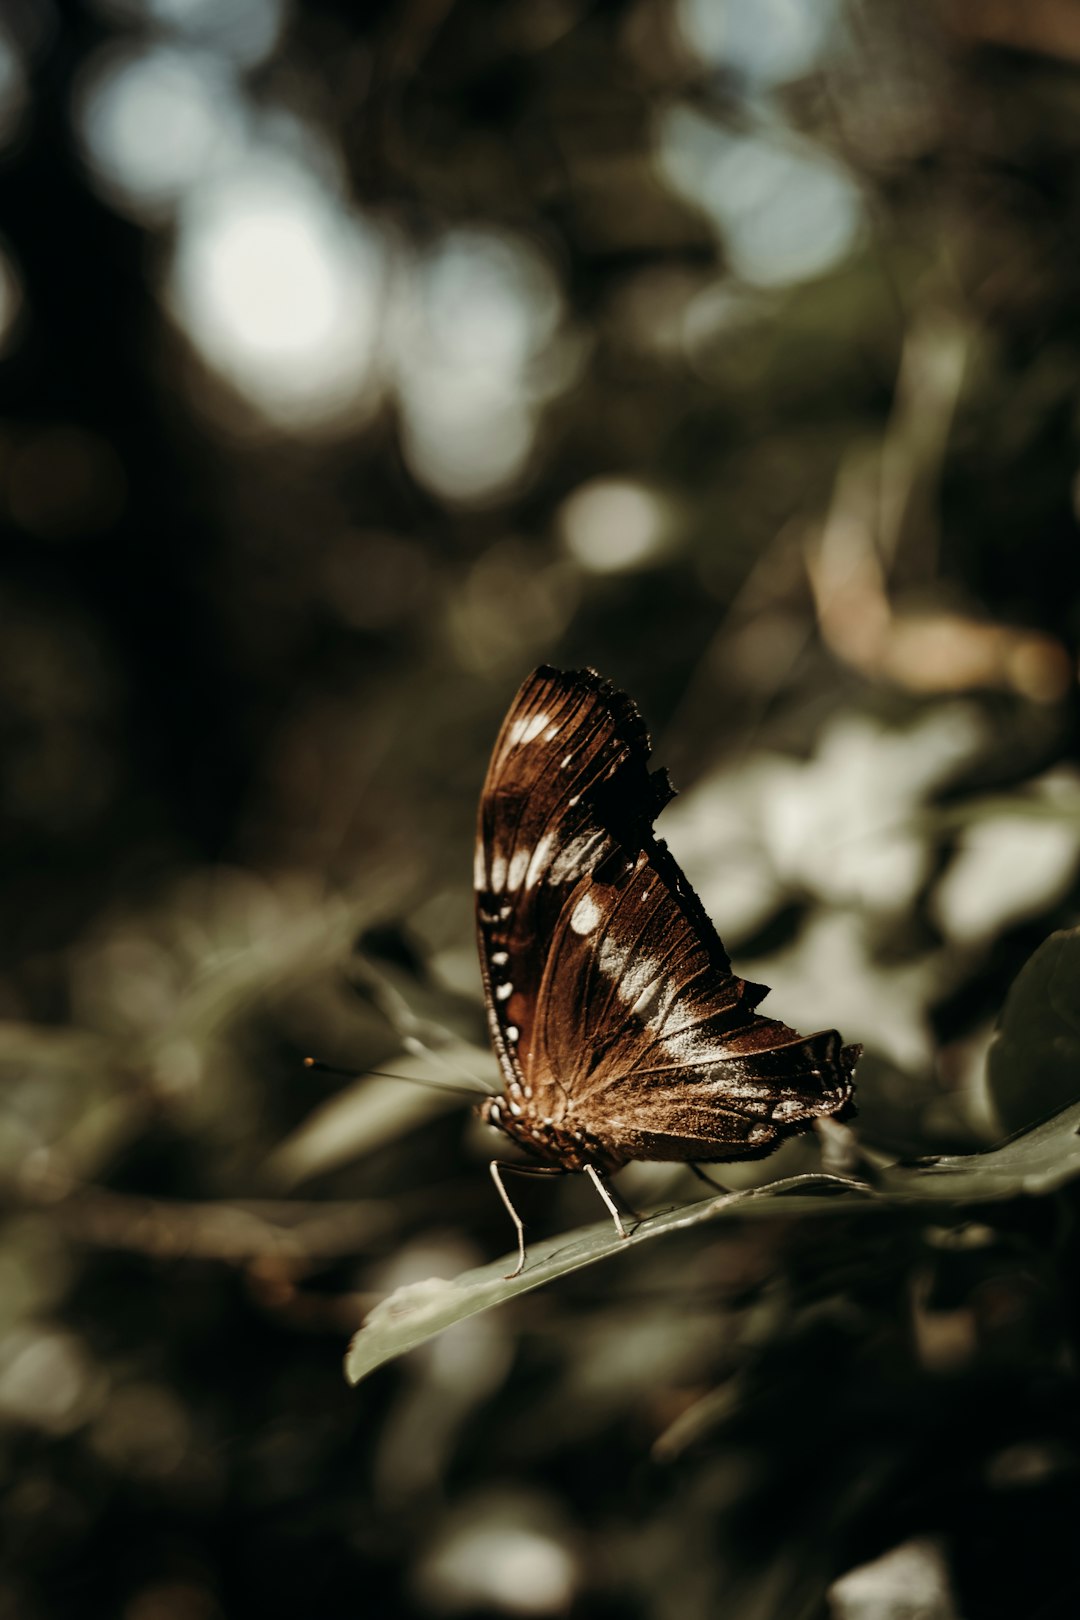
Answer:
(662, 1052)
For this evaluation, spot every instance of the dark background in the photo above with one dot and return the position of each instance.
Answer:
(354, 359)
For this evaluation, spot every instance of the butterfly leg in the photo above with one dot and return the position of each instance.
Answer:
(495, 1167)
(602, 1188)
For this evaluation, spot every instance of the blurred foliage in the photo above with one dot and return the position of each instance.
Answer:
(1039, 1159)
(352, 360)
(1035, 1057)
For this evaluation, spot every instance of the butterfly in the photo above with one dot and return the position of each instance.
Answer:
(620, 1030)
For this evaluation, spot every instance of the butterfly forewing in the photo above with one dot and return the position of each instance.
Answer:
(611, 999)
(537, 835)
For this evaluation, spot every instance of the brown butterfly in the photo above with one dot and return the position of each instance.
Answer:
(619, 1027)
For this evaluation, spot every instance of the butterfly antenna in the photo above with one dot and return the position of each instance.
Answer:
(418, 1047)
(397, 1012)
(385, 1074)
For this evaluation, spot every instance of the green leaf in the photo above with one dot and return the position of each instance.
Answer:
(1034, 1061)
(1035, 1161)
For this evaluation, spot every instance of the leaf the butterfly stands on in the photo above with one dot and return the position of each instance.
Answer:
(620, 1029)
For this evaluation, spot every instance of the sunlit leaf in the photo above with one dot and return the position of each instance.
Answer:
(1034, 1062)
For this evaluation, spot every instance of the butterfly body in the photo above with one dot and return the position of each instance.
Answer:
(563, 1144)
(621, 1031)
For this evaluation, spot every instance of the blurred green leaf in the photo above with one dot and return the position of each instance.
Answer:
(1034, 1062)
(1033, 1162)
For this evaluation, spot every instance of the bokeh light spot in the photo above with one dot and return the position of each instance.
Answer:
(610, 525)
(466, 439)
(45, 1378)
(785, 210)
(504, 1555)
(490, 302)
(152, 121)
(279, 287)
(473, 330)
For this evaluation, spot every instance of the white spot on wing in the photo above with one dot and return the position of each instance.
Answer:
(500, 958)
(585, 915)
(512, 1033)
(689, 1047)
(551, 733)
(503, 992)
(645, 987)
(498, 873)
(613, 958)
(576, 857)
(638, 982)
(541, 858)
(524, 730)
(518, 865)
(479, 868)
